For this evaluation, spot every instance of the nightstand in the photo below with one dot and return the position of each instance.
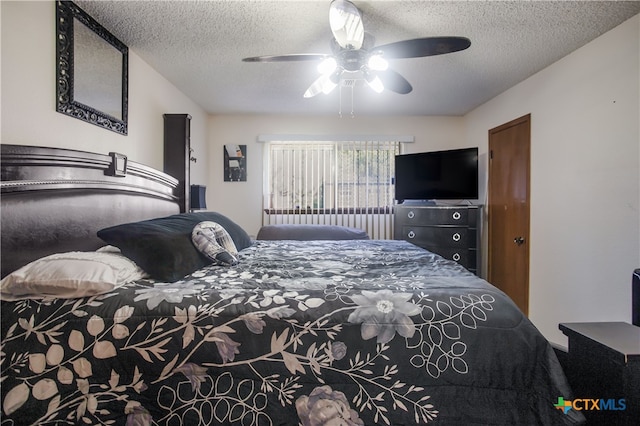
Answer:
(603, 363)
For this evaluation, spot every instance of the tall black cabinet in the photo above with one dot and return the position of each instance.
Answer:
(177, 154)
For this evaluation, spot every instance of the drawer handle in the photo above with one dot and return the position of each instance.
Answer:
(457, 215)
(411, 234)
(411, 215)
(456, 237)
(456, 256)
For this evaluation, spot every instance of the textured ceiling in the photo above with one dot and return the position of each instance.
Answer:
(198, 46)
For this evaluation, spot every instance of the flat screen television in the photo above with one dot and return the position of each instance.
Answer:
(437, 175)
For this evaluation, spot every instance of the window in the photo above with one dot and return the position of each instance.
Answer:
(342, 182)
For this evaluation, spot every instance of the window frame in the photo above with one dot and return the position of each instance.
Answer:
(334, 142)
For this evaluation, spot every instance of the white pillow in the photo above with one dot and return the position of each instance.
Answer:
(109, 249)
(70, 275)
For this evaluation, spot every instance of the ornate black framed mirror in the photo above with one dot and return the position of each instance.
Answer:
(91, 70)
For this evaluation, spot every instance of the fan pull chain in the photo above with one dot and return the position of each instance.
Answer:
(352, 114)
(352, 103)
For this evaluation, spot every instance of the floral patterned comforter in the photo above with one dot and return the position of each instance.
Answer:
(356, 332)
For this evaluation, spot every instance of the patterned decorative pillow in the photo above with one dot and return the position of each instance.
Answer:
(212, 240)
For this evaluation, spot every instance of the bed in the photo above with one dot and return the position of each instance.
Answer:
(319, 332)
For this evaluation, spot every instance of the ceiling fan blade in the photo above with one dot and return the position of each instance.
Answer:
(394, 81)
(287, 58)
(427, 46)
(346, 24)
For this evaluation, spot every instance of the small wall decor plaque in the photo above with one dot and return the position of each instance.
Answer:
(235, 163)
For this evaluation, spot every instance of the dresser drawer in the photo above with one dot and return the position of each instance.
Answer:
(436, 236)
(436, 216)
(463, 256)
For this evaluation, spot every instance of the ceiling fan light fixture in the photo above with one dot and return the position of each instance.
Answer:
(331, 82)
(356, 59)
(377, 63)
(328, 65)
(328, 86)
(374, 82)
(316, 87)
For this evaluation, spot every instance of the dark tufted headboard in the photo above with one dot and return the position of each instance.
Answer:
(55, 200)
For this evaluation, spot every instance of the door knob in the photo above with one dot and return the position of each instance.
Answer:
(518, 240)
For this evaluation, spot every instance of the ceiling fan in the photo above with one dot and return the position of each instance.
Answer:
(354, 57)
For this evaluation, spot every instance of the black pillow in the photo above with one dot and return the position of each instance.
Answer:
(163, 246)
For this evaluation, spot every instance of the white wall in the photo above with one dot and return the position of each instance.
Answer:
(242, 201)
(585, 178)
(29, 117)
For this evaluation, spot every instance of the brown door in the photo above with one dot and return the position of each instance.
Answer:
(508, 209)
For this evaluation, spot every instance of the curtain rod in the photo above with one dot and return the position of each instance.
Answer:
(334, 138)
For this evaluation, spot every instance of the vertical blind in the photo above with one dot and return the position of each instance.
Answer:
(348, 183)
